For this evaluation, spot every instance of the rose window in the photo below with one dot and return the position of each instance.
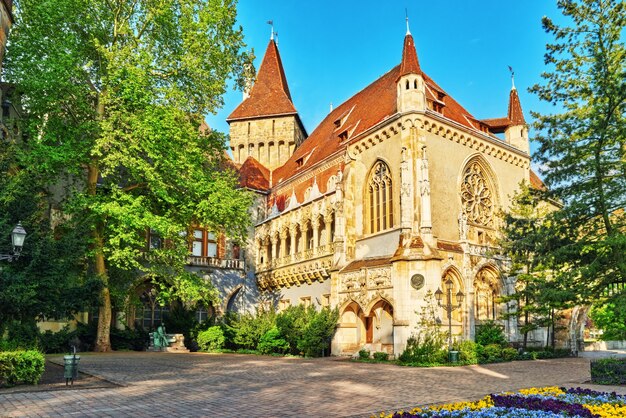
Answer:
(476, 198)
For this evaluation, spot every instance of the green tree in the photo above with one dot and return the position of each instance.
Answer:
(115, 92)
(529, 238)
(610, 317)
(583, 143)
(50, 279)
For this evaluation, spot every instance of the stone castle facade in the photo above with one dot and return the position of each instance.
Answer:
(395, 193)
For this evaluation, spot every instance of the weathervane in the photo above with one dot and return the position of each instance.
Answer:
(512, 77)
(271, 23)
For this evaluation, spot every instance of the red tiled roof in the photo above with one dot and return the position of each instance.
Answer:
(367, 108)
(515, 114)
(254, 175)
(365, 263)
(410, 64)
(535, 181)
(371, 105)
(270, 93)
(497, 125)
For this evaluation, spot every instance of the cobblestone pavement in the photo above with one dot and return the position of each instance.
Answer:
(204, 385)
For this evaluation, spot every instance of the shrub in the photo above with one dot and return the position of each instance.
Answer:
(609, 371)
(381, 356)
(364, 354)
(272, 343)
(57, 342)
(468, 351)
(318, 331)
(489, 332)
(490, 353)
(292, 322)
(129, 339)
(509, 354)
(21, 367)
(22, 334)
(250, 328)
(212, 339)
(424, 349)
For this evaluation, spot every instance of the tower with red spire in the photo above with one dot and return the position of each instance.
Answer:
(410, 83)
(516, 133)
(266, 124)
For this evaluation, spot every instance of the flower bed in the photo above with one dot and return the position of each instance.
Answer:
(549, 402)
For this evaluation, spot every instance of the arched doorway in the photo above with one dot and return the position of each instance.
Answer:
(457, 316)
(378, 326)
(487, 287)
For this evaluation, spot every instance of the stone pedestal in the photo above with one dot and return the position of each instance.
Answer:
(176, 344)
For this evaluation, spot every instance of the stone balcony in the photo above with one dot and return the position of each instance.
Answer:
(223, 263)
(304, 267)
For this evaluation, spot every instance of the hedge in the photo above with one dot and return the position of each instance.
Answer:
(609, 371)
(21, 367)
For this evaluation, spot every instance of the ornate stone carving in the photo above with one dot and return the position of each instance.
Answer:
(476, 197)
(463, 227)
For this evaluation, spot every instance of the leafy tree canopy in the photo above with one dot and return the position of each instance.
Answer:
(115, 92)
(583, 143)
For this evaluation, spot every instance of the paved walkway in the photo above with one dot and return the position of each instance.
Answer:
(202, 385)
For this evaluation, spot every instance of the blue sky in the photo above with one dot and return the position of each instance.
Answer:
(332, 49)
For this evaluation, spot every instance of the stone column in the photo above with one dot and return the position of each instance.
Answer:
(328, 220)
(426, 227)
(304, 228)
(315, 224)
(293, 229)
(274, 240)
(283, 242)
(406, 191)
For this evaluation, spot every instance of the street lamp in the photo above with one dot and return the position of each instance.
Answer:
(449, 306)
(17, 239)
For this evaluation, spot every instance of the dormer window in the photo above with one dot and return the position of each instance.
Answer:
(300, 162)
(343, 135)
(338, 123)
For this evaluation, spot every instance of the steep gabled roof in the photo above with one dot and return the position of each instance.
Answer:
(253, 175)
(410, 64)
(269, 95)
(365, 109)
(515, 114)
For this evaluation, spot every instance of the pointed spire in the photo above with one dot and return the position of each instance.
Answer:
(408, 31)
(515, 114)
(270, 93)
(410, 64)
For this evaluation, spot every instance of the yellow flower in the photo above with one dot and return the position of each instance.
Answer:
(608, 410)
(548, 391)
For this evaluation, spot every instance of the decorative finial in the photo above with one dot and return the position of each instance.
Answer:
(331, 107)
(406, 11)
(271, 23)
(512, 78)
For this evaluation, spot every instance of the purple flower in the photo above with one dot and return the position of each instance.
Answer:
(541, 404)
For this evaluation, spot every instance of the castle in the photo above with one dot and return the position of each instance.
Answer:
(394, 195)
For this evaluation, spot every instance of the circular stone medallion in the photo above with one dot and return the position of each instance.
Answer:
(417, 281)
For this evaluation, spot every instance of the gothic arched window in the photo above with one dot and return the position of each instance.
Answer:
(380, 198)
(476, 196)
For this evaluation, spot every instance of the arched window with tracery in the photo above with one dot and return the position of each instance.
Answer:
(380, 198)
(477, 197)
(486, 294)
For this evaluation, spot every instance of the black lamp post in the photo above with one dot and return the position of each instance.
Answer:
(17, 239)
(449, 306)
